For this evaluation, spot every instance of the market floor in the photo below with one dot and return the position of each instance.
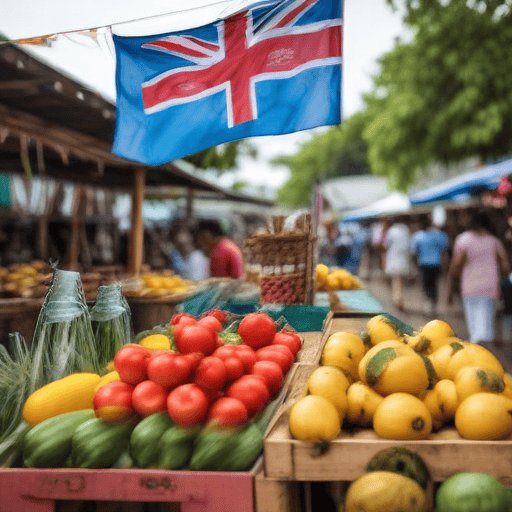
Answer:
(414, 311)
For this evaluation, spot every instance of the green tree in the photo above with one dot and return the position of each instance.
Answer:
(339, 151)
(444, 96)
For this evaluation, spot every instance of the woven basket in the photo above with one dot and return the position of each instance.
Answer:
(282, 264)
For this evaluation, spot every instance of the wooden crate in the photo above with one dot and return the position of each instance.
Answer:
(445, 452)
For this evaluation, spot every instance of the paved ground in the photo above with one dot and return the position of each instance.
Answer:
(414, 313)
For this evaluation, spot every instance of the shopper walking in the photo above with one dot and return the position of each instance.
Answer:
(397, 262)
(429, 247)
(480, 260)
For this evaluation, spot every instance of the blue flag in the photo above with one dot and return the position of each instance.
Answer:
(273, 68)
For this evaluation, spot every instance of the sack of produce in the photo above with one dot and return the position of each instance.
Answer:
(111, 322)
(63, 341)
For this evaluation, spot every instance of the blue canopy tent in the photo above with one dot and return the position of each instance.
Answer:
(465, 186)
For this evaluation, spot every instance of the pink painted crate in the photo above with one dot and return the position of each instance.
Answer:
(37, 490)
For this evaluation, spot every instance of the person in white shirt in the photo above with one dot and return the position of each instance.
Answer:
(397, 265)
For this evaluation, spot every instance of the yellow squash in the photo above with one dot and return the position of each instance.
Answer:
(385, 491)
(109, 377)
(72, 393)
(441, 357)
(402, 416)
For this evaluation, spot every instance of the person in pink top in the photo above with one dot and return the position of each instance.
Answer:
(480, 260)
(226, 258)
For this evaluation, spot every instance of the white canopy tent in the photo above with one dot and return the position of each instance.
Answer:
(394, 203)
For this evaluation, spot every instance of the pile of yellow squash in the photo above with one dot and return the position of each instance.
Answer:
(404, 386)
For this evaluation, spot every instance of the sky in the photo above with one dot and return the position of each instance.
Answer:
(370, 29)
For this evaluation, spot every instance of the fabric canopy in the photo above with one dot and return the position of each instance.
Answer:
(465, 186)
(396, 202)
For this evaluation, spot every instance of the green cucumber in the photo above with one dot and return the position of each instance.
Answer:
(48, 444)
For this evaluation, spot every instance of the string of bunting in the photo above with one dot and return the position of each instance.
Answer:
(49, 39)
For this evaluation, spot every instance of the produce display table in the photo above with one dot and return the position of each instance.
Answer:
(445, 452)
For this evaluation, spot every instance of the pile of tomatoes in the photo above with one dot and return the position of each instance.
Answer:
(205, 380)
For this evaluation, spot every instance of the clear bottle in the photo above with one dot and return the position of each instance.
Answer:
(63, 341)
(111, 322)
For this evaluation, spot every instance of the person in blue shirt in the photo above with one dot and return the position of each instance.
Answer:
(428, 247)
(360, 241)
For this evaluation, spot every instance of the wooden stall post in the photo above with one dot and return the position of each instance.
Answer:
(136, 245)
(189, 209)
(74, 244)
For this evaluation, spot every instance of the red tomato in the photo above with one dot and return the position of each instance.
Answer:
(178, 317)
(252, 391)
(194, 338)
(272, 374)
(221, 316)
(112, 403)
(247, 355)
(149, 398)
(212, 394)
(274, 353)
(288, 339)
(169, 370)
(257, 330)
(187, 405)
(210, 373)
(131, 362)
(227, 412)
(234, 368)
(210, 322)
(225, 351)
(194, 358)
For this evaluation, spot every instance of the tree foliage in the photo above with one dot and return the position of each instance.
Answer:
(339, 151)
(444, 96)
(223, 157)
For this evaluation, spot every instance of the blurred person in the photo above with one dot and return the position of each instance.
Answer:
(186, 260)
(479, 258)
(225, 256)
(429, 247)
(360, 241)
(397, 259)
(378, 232)
(342, 245)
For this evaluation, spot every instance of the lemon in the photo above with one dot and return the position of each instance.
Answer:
(331, 282)
(437, 331)
(447, 398)
(345, 351)
(472, 379)
(379, 329)
(474, 355)
(484, 416)
(331, 383)
(402, 416)
(321, 273)
(156, 342)
(440, 358)
(362, 401)
(507, 379)
(314, 418)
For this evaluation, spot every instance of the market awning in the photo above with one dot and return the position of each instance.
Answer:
(465, 186)
(50, 125)
(395, 203)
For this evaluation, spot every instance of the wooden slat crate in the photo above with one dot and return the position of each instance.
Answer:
(445, 452)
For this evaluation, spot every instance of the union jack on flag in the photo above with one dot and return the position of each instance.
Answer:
(272, 68)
